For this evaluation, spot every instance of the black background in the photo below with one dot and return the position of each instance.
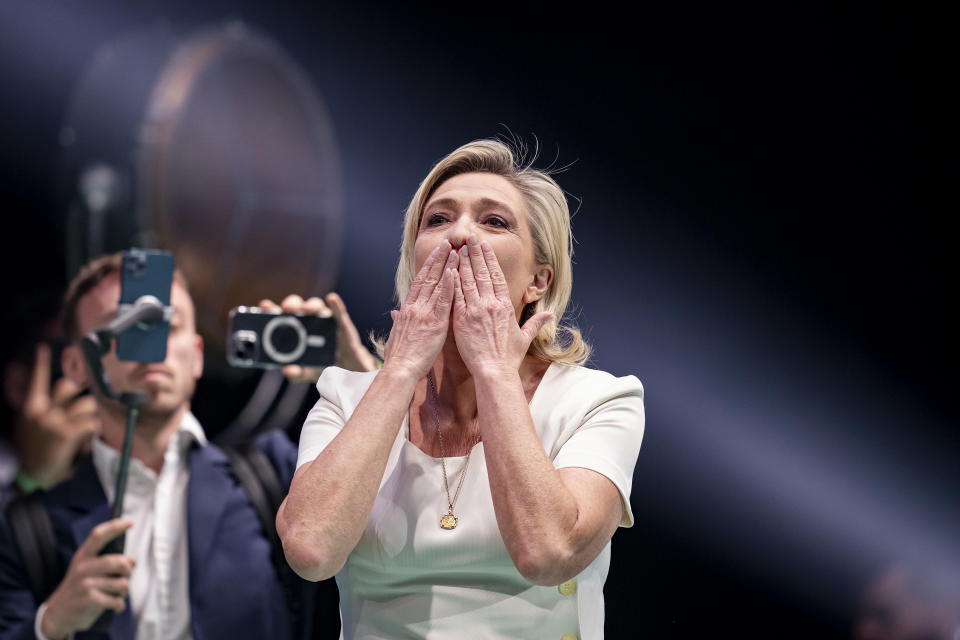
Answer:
(763, 238)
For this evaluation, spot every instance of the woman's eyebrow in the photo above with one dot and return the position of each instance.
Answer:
(442, 202)
(490, 203)
(481, 204)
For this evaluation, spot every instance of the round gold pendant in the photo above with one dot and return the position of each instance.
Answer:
(448, 521)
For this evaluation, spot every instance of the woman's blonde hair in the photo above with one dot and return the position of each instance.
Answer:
(549, 219)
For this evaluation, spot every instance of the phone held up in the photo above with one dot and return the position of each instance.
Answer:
(145, 272)
(268, 339)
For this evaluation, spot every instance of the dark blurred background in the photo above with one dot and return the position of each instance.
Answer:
(762, 238)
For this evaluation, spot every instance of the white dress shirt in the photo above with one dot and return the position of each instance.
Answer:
(157, 504)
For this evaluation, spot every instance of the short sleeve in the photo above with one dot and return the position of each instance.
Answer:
(608, 438)
(340, 390)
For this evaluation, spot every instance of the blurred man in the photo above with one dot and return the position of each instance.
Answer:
(47, 420)
(196, 561)
(907, 602)
(52, 423)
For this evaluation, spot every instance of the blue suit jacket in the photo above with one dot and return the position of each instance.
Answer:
(234, 590)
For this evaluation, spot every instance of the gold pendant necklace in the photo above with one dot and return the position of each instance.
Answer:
(448, 521)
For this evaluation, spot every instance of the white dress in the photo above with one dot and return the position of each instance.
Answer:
(408, 578)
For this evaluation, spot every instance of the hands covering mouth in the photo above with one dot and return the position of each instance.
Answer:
(467, 290)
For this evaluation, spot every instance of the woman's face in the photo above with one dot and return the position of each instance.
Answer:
(490, 207)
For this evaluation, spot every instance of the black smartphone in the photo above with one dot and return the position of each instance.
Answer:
(57, 345)
(146, 272)
(269, 339)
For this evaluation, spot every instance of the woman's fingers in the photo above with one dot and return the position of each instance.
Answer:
(442, 296)
(435, 274)
(442, 293)
(532, 326)
(468, 282)
(478, 265)
(421, 324)
(418, 282)
(437, 296)
(499, 281)
(459, 304)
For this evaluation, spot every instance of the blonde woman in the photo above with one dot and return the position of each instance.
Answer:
(471, 486)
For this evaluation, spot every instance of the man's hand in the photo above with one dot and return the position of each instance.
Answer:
(52, 424)
(92, 585)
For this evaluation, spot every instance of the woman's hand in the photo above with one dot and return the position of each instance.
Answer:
(420, 325)
(351, 354)
(484, 321)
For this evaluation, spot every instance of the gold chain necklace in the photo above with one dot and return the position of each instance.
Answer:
(448, 521)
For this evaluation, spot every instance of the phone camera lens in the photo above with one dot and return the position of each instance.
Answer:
(245, 345)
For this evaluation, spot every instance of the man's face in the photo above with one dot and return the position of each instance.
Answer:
(169, 384)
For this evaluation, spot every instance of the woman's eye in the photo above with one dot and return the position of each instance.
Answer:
(497, 221)
(435, 218)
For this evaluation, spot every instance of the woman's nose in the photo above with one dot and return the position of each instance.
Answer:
(459, 232)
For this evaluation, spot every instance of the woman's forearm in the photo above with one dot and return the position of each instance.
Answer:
(552, 531)
(330, 498)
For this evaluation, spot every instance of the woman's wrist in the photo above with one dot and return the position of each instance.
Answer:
(400, 372)
(495, 376)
